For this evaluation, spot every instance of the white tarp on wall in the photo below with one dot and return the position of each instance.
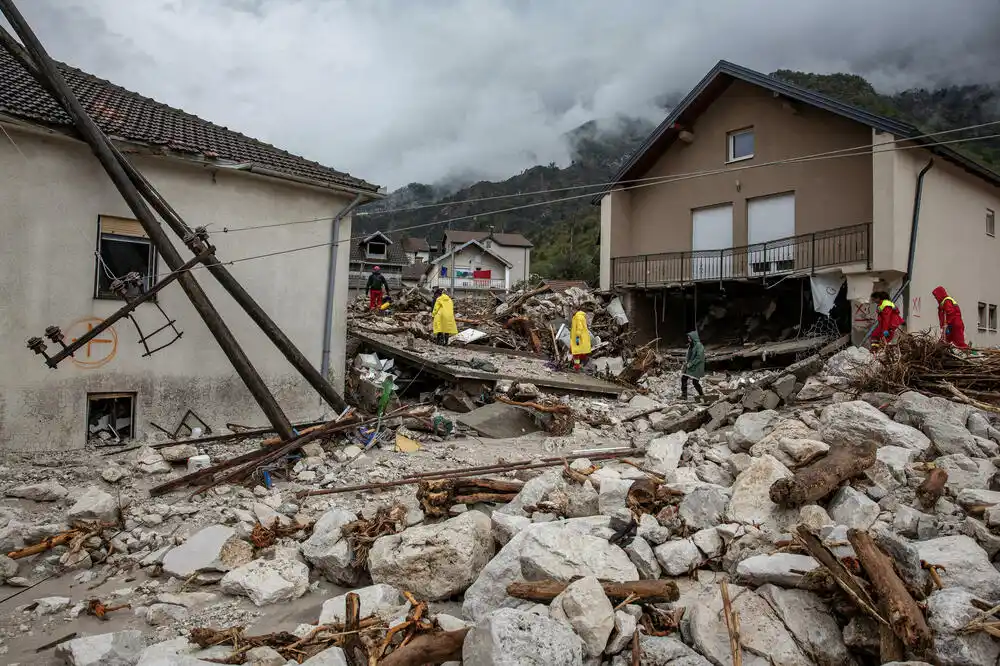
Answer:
(824, 291)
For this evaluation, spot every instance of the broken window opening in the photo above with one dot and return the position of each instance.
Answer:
(122, 248)
(110, 418)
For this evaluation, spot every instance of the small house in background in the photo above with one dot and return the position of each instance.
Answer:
(471, 266)
(377, 249)
(415, 274)
(513, 248)
(417, 250)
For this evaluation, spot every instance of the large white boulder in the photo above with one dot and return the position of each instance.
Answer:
(585, 607)
(856, 422)
(574, 500)
(434, 561)
(510, 637)
(565, 554)
(385, 601)
(664, 453)
(268, 581)
(121, 648)
(214, 548)
(328, 551)
(47, 491)
(965, 564)
(811, 622)
(751, 499)
(751, 427)
(948, 613)
(94, 504)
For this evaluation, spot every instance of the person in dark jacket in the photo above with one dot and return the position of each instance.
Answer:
(694, 366)
(377, 284)
(950, 318)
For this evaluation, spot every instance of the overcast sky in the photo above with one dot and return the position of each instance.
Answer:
(396, 91)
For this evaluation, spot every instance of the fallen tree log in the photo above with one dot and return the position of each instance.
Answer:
(429, 649)
(931, 489)
(820, 478)
(902, 612)
(844, 578)
(647, 591)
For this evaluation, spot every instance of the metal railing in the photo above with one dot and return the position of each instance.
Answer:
(493, 284)
(795, 254)
(359, 280)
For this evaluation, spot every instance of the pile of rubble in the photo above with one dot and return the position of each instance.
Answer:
(532, 320)
(825, 528)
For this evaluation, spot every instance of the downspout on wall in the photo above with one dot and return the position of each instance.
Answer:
(330, 280)
(917, 195)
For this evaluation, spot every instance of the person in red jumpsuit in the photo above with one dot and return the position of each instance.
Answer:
(950, 318)
(888, 320)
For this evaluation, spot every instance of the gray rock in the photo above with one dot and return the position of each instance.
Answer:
(585, 607)
(966, 565)
(565, 554)
(113, 473)
(862, 635)
(714, 474)
(678, 558)
(814, 517)
(964, 472)
(667, 651)
(574, 500)
(384, 601)
(94, 504)
(709, 542)
(751, 427)
(992, 517)
(176, 652)
(905, 555)
(510, 637)
(761, 632)
(987, 540)
(784, 569)
(333, 656)
(811, 622)
(159, 615)
(803, 451)
(950, 438)
(978, 424)
(751, 501)
(847, 364)
(612, 497)
(643, 558)
(625, 626)
(505, 526)
(650, 529)
(916, 409)
(851, 508)
(268, 581)
(264, 656)
(971, 498)
(434, 561)
(704, 507)
(178, 453)
(214, 548)
(121, 648)
(489, 592)
(906, 521)
(51, 605)
(664, 453)
(814, 389)
(948, 612)
(48, 491)
(8, 568)
(856, 422)
(784, 387)
(329, 552)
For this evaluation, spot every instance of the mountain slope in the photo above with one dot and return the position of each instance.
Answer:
(566, 233)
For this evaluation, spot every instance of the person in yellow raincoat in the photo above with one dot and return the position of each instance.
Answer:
(579, 340)
(444, 317)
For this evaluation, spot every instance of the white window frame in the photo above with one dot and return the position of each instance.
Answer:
(731, 145)
(991, 222)
(377, 255)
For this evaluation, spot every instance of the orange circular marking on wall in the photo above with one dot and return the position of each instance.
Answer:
(99, 351)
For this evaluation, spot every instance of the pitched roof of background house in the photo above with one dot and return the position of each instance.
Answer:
(415, 271)
(718, 80)
(128, 116)
(510, 240)
(459, 248)
(416, 245)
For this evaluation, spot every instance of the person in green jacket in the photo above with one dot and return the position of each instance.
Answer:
(694, 366)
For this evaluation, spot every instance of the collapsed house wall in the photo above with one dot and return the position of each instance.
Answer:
(53, 191)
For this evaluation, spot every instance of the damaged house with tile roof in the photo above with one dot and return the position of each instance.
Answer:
(68, 233)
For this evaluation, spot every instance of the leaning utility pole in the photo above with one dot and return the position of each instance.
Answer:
(196, 240)
(98, 143)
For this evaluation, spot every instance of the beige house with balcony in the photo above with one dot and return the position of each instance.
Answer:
(756, 181)
(515, 249)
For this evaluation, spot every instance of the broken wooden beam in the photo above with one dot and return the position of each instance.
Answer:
(435, 649)
(645, 591)
(841, 575)
(903, 613)
(821, 477)
(932, 487)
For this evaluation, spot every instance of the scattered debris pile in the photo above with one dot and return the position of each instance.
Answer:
(921, 362)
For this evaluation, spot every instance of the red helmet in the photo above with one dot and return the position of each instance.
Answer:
(376, 269)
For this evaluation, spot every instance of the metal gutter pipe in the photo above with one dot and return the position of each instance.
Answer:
(331, 276)
(917, 195)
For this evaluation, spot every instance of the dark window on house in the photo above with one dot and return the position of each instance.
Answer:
(993, 318)
(991, 223)
(110, 417)
(982, 317)
(376, 249)
(122, 248)
(739, 145)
